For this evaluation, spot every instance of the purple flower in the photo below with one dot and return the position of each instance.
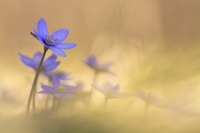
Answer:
(48, 65)
(58, 74)
(60, 90)
(52, 41)
(109, 90)
(147, 97)
(92, 62)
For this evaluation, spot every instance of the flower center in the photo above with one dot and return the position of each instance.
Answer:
(51, 39)
(61, 90)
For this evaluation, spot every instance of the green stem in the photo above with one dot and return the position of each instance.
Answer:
(33, 88)
(46, 103)
(92, 89)
(54, 103)
(58, 104)
(105, 102)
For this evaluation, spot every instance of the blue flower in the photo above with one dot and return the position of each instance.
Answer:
(92, 62)
(109, 90)
(52, 41)
(48, 65)
(147, 97)
(59, 74)
(60, 90)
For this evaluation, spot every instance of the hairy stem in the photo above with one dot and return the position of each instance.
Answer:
(33, 88)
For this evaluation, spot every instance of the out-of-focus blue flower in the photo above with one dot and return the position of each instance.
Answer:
(109, 90)
(58, 74)
(92, 62)
(48, 65)
(53, 41)
(147, 97)
(60, 90)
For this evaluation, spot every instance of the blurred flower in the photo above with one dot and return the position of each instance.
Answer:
(60, 90)
(48, 65)
(92, 62)
(147, 97)
(58, 74)
(54, 40)
(109, 90)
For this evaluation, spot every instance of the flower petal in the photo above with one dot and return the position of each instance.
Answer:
(98, 88)
(58, 51)
(116, 88)
(51, 66)
(107, 65)
(42, 28)
(48, 88)
(37, 57)
(58, 95)
(68, 95)
(61, 34)
(45, 92)
(51, 59)
(65, 45)
(55, 81)
(62, 75)
(26, 60)
(41, 39)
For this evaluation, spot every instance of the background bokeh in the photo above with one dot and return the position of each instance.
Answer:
(154, 45)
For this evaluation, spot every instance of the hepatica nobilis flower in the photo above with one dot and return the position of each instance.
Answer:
(49, 64)
(147, 97)
(109, 90)
(93, 63)
(52, 41)
(58, 74)
(59, 89)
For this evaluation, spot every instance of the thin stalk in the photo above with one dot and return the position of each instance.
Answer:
(33, 88)
(54, 104)
(92, 89)
(47, 101)
(47, 98)
(105, 102)
(58, 104)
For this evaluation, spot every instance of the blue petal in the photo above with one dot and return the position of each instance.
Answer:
(37, 57)
(45, 92)
(55, 82)
(58, 51)
(61, 75)
(48, 88)
(51, 59)
(51, 66)
(42, 28)
(58, 95)
(65, 45)
(107, 65)
(116, 88)
(41, 39)
(68, 95)
(26, 60)
(61, 34)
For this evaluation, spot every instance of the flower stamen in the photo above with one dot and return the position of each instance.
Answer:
(51, 39)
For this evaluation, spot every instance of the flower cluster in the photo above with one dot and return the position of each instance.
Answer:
(52, 41)
(59, 87)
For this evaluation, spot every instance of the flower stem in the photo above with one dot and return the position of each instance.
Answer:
(92, 89)
(105, 102)
(58, 104)
(33, 88)
(54, 103)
